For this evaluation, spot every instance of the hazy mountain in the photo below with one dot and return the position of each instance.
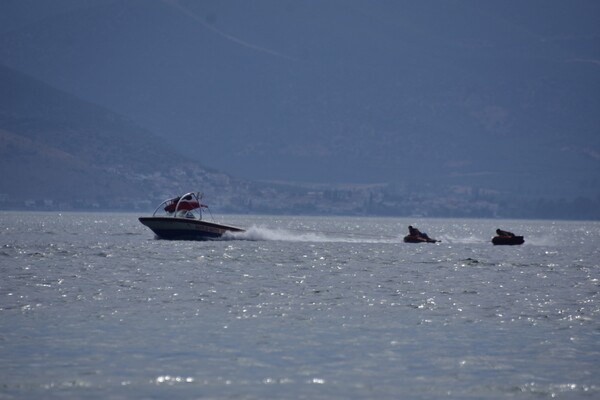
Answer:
(58, 152)
(55, 147)
(501, 96)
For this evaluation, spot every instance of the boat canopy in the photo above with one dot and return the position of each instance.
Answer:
(187, 202)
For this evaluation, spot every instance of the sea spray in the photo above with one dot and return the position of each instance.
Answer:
(259, 233)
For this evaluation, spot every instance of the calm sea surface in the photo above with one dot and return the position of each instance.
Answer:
(92, 306)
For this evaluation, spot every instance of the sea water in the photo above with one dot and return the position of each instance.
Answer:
(93, 306)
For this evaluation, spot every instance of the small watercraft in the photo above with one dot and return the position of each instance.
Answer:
(508, 240)
(182, 220)
(416, 236)
(418, 239)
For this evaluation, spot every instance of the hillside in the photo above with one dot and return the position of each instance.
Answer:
(57, 149)
(492, 96)
(58, 152)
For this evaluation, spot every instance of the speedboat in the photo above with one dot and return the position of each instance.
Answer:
(418, 239)
(507, 240)
(181, 219)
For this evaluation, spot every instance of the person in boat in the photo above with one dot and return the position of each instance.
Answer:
(415, 232)
(502, 233)
(186, 214)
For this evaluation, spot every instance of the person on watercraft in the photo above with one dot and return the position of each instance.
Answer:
(415, 232)
(500, 232)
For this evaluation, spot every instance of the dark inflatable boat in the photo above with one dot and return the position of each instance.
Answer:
(418, 239)
(508, 240)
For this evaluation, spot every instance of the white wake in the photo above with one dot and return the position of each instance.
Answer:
(260, 233)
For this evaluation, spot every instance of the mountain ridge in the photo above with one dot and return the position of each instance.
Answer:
(60, 153)
(63, 148)
(284, 91)
(498, 101)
